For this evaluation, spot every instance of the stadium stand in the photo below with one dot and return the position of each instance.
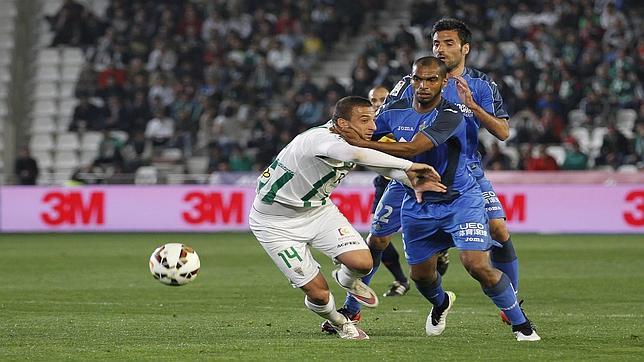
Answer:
(191, 86)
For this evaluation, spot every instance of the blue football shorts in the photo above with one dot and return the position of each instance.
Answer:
(493, 206)
(386, 218)
(431, 227)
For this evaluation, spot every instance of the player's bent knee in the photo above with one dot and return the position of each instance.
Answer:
(359, 262)
(499, 230)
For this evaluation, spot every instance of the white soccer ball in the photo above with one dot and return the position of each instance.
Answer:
(174, 264)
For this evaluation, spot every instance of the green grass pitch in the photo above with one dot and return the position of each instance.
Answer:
(91, 297)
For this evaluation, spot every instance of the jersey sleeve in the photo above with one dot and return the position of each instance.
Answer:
(489, 98)
(444, 127)
(334, 147)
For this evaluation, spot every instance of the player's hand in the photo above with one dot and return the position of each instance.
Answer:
(421, 170)
(350, 135)
(464, 92)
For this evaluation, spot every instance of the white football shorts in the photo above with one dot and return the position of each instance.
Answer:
(286, 233)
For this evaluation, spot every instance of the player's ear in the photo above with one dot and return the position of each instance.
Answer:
(341, 122)
(466, 48)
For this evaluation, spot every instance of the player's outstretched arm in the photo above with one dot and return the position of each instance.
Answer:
(419, 144)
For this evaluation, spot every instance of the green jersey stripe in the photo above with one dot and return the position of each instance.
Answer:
(318, 184)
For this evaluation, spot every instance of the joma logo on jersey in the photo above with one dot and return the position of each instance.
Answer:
(405, 128)
(465, 110)
(343, 231)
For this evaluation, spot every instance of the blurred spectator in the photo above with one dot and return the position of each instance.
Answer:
(136, 152)
(159, 129)
(87, 116)
(614, 148)
(109, 152)
(575, 159)
(497, 160)
(67, 24)
(541, 161)
(26, 168)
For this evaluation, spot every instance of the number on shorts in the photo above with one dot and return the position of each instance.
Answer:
(385, 217)
(289, 254)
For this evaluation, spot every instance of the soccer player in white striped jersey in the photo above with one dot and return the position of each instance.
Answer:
(292, 209)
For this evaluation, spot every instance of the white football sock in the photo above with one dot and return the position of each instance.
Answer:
(327, 311)
(347, 276)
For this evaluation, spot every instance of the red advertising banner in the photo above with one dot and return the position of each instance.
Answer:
(564, 208)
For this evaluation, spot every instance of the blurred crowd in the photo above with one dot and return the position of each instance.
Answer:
(570, 73)
(232, 80)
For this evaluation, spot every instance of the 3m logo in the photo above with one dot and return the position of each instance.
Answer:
(212, 208)
(635, 217)
(72, 208)
(514, 206)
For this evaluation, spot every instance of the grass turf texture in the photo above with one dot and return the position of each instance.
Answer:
(86, 296)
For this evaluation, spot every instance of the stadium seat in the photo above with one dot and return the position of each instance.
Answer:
(47, 73)
(146, 175)
(70, 73)
(73, 56)
(49, 57)
(43, 125)
(88, 156)
(558, 153)
(44, 159)
(66, 107)
(197, 165)
(67, 142)
(41, 142)
(67, 89)
(46, 90)
(91, 140)
(66, 160)
(45, 108)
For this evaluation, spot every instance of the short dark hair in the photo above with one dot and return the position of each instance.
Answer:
(430, 60)
(464, 33)
(344, 107)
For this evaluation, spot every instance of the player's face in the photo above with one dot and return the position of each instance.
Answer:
(427, 82)
(362, 121)
(377, 97)
(447, 47)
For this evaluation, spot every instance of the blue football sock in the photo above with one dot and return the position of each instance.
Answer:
(433, 291)
(502, 294)
(505, 259)
(391, 260)
(350, 303)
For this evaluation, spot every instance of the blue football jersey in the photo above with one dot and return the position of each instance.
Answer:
(485, 93)
(445, 127)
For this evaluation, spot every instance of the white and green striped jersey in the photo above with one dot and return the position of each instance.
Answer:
(309, 168)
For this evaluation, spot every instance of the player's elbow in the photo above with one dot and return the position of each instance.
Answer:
(503, 134)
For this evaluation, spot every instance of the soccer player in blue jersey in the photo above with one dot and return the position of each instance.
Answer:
(478, 97)
(438, 135)
(390, 257)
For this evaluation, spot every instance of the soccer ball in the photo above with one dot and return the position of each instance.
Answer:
(174, 264)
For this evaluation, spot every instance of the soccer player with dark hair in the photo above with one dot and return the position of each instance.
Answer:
(455, 218)
(478, 97)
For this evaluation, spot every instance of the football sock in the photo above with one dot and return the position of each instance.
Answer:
(505, 259)
(352, 305)
(326, 311)
(502, 294)
(433, 291)
(391, 260)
